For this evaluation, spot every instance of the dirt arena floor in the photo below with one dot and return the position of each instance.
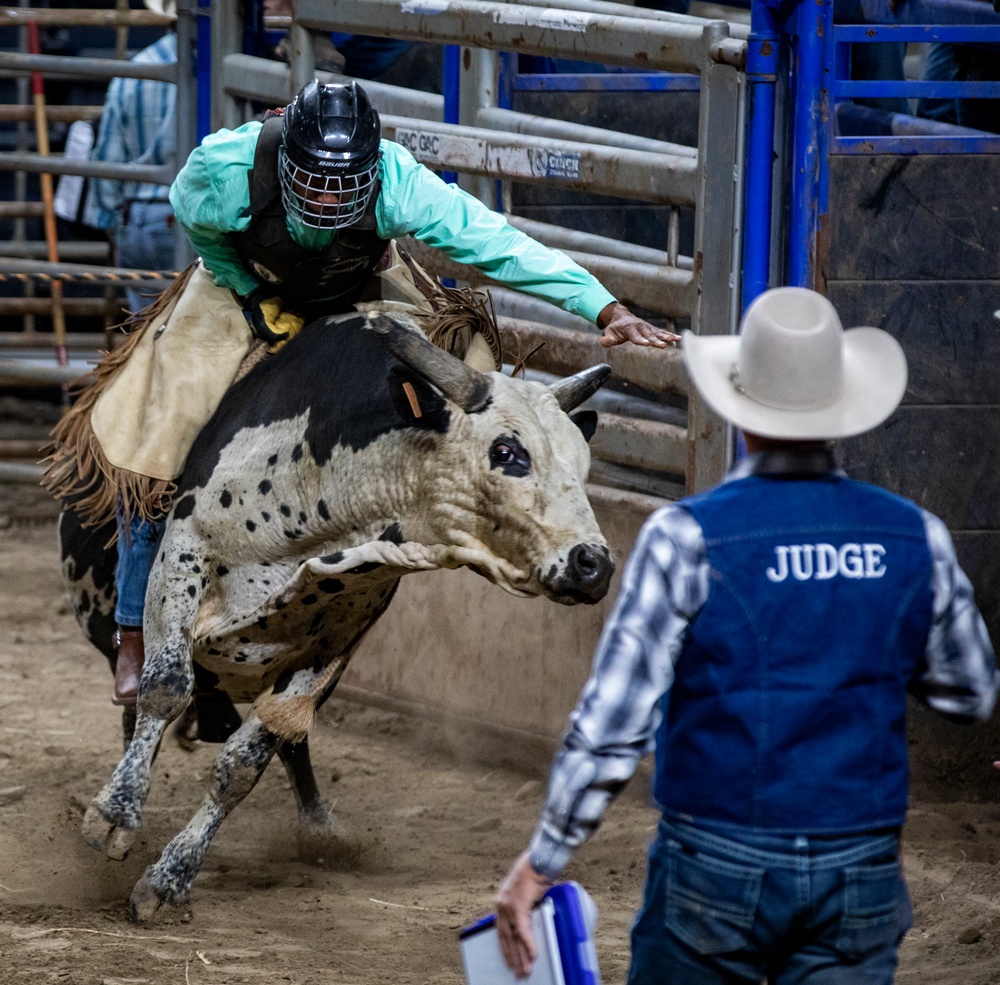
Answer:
(429, 831)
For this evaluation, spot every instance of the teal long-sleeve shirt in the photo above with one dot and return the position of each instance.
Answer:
(211, 194)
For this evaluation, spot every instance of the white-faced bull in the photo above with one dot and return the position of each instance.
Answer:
(357, 454)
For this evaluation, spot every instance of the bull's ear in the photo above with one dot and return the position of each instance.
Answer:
(586, 421)
(417, 402)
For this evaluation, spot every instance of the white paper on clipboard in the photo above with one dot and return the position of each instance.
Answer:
(483, 959)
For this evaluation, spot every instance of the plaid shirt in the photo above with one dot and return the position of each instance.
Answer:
(665, 584)
(137, 127)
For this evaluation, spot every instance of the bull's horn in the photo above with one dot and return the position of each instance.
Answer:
(462, 384)
(572, 391)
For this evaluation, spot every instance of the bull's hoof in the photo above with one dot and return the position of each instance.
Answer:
(105, 836)
(145, 901)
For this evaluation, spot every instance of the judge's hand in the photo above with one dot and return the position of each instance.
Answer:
(620, 325)
(521, 889)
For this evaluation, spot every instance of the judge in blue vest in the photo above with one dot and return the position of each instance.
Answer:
(763, 642)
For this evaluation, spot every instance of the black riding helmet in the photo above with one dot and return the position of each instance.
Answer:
(328, 161)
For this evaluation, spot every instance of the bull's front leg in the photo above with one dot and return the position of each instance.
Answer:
(114, 818)
(238, 767)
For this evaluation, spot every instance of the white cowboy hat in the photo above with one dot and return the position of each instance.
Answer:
(794, 373)
(168, 8)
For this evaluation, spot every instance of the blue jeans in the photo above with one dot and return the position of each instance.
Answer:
(137, 549)
(791, 910)
(145, 241)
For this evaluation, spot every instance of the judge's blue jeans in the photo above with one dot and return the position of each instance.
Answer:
(137, 547)
(791, 910)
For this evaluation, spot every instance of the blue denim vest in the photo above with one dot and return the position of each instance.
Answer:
(788, 709)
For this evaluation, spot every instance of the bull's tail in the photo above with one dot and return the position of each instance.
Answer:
(78, 471)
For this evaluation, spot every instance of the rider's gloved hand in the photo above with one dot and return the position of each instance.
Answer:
(268, 319)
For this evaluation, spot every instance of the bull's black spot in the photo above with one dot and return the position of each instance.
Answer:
(244, 639)
(241, 500)
(84, 605)
(265, 581)
(262, 622)
(284, 679)
(309, 599)
(393, 534)
(221, 570)
(185, 557)
(214, 653)
(334, 558)
(192, 591)
(184, 507)
(330, 585)
(251, 526)
(241, 657)
(196, 569)
(297, 453)
(510, 456)
(273, 460)
(265, 516)
(302, 517)
(226, 499)
(322, 509)
(293, 534)
(286, 510)
(264, 487)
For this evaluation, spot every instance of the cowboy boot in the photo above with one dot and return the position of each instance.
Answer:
(128, 665)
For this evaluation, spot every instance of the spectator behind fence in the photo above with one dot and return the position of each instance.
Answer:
(763, 642)
(138, 126)
(962, 63)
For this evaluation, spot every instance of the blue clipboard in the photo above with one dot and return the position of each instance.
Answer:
(563, 925)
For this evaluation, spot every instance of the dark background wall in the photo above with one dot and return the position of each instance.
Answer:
(914, 247)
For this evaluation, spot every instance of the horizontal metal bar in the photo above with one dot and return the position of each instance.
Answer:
(54, 114)
(610, 171)
(566, 352)
(562, 238)
(78, 251)
(79, 271)
(13, 210)
(266, 80)
(607, 82)
(928, 12)
(493, 118)
(632, 481)
(12, 62)
(156, 174)
(874, 33)
(74, 307)
(641, 444)
(32, 372)
(20, 473)
(662, 290)
(19, 16)
(21, 448)
(916, 145)
(644, 42)
(855, 120)
(843, 88)
(30, 341)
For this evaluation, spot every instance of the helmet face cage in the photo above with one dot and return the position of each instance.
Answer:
(303, 192)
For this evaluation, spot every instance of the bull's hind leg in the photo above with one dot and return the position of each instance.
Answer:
(238, 767)
(317, 825)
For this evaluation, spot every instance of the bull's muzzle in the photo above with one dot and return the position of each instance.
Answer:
(585, 578)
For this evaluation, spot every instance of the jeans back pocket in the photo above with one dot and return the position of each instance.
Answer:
(710, 903)
(876, 910)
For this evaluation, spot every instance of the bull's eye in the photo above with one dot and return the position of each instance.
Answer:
(508, 454)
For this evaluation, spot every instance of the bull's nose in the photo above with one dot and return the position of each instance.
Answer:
(590, 569)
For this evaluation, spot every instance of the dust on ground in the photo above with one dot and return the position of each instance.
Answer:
(429, 830)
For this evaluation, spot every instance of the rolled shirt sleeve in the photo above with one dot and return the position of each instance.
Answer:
(416, 202)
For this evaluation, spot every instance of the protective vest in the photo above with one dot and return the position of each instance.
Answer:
(335, 275)
(788, 709)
